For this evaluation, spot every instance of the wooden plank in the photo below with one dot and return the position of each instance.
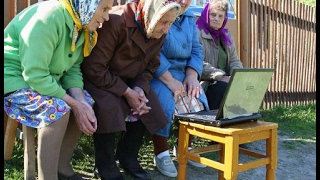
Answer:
(29, 153)
(9, 138)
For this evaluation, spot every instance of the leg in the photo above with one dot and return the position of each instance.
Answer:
(272, 152)
(215, 94)
(193, 163)
(128, 150)
(49, 145)
(69, 143)
(104, 156)
(183, 147)
(162, 157)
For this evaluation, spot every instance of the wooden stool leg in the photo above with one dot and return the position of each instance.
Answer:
(9, 137)
(272, 152)
(182, 149)
(29, 153)
(221, 159)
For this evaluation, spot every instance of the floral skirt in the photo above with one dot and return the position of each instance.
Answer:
(32, 109)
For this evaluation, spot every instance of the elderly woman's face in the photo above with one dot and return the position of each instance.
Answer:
(216, 18)
(101, 14)
(164, 24)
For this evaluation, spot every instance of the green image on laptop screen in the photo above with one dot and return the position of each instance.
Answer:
(245, 92)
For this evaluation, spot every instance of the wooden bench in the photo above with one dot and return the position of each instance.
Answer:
(28, 144)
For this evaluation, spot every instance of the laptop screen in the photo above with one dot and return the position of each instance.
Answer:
(245, 92)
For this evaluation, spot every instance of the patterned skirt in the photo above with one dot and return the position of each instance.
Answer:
(32, 109)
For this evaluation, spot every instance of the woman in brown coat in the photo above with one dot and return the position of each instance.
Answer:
(117, 75)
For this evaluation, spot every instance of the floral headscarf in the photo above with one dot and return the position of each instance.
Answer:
(82, 12)
(203, 22)
(149, 12)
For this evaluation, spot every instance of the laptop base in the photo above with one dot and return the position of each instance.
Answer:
(208, 117)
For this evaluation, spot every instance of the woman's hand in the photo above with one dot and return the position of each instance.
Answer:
(85, 117)
(82, 111)
(173, 84)
(176, 87)
(137, 100)
(192, 84)
(225, 79)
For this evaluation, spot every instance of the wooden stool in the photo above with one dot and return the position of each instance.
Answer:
(28, 144)
(229, 139)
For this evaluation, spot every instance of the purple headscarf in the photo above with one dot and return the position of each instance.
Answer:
(203, 22)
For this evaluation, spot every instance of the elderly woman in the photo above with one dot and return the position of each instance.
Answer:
(117, 74)
(44, 46)
(220, 56)
(178, 80)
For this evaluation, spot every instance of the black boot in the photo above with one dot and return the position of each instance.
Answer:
(105, 162)
(128, 149)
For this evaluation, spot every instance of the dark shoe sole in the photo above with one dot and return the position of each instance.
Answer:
(138, 174)
(75, 176)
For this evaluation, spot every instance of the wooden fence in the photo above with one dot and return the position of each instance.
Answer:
(281, 35)
(270, 34)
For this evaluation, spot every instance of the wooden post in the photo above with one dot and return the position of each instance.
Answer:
(29, 153)
(9, 137)
(243, 14)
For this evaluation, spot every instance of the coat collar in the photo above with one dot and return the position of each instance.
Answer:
(204, 35)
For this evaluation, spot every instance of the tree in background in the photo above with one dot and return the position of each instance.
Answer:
(311, 3)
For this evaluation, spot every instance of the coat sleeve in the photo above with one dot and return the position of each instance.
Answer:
(164, 66)
(196, 58)
(96, 67)
(235, 62)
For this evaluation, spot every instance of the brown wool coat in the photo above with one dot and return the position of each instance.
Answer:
(122, 59)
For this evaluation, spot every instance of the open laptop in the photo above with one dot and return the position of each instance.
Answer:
(241, 102)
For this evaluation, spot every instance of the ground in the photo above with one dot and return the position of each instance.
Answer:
(294, 163)
(298, 163)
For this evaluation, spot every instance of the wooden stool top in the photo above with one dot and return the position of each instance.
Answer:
(234, 129)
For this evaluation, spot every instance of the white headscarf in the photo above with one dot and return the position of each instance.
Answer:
(154, 10)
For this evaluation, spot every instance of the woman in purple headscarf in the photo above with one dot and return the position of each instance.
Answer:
(220, 56)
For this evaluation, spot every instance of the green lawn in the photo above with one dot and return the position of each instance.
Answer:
(298, 122)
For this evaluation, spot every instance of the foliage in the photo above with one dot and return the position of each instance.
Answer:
(311, 3)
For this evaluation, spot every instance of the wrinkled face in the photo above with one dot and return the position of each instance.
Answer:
(216, 18)
(164, 24)
(101, 14)
(184, 5)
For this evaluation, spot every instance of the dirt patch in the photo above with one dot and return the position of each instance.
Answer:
(295, 163)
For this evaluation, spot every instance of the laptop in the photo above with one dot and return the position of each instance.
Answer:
(241, 102)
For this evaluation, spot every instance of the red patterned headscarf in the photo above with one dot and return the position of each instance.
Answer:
(149, 12)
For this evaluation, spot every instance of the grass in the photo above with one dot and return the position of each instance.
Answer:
(297, 122)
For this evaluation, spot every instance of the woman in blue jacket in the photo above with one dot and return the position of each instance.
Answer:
(178, 75)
